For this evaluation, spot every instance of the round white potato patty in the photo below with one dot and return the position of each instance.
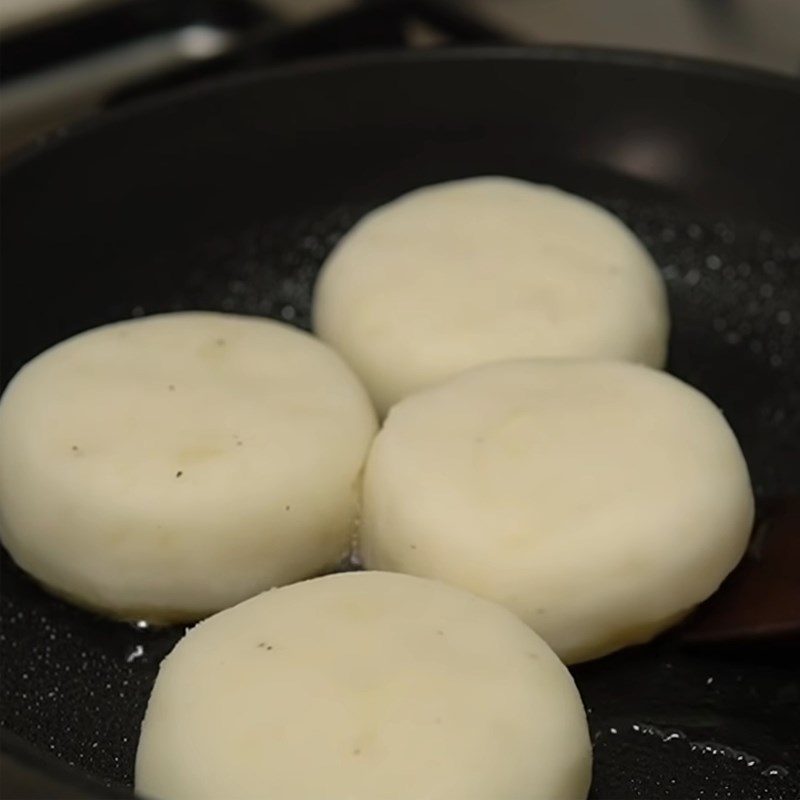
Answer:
(600, 501)
(168, 467)
(362, 686)
(486, 269)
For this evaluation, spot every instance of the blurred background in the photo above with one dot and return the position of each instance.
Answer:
(61, 60)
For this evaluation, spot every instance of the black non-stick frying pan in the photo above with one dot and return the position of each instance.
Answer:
(230, 196)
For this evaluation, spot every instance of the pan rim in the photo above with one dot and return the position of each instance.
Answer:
(549, 53)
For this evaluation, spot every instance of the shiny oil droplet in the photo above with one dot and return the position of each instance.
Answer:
(775, 771)
(135, 654)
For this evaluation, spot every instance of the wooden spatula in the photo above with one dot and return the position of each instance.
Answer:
(760, 600)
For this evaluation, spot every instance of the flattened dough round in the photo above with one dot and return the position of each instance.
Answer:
(168, 467)
(481, 270)
(600, 501)
(362, 686)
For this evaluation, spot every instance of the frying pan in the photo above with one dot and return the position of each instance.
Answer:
(229, 196)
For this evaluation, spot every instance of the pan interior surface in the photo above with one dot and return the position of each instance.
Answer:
(231, 198)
